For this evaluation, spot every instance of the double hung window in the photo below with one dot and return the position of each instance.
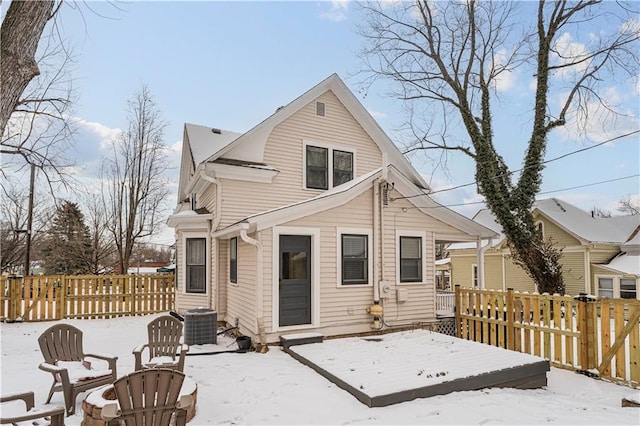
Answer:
(196, 267)
(326, 167)
(355, 259)
(410, 259)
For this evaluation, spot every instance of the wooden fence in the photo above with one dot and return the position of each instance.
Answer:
(45, 298)
(598, 337)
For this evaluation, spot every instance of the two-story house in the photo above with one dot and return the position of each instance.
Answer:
(600, 255)
(313, 220)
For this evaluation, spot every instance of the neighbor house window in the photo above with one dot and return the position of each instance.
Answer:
(196, 267)
(628, 288)
(410, 259)
(355, 261)
(605, 287)
(474, 275)
(233, 260)
(327, 167)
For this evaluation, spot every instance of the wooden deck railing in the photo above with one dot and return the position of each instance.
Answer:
(54, 297)
(594, 336)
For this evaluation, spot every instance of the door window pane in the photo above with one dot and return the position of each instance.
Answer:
(410, 259)
(354, 259)
(294, 265)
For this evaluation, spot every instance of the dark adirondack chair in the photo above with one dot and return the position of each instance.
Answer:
(54, 415)
(72, 372)
(148, 398)
(164, 347)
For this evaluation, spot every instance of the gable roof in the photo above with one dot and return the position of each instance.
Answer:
(575, 221)
(249, 146)
(203, 141)
(342, 194)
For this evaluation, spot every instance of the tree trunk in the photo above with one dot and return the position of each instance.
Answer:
(20, 34)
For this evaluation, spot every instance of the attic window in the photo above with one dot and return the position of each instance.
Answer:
(320, 109)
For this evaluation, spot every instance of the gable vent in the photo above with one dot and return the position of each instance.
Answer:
(320, 109)
(216, 131)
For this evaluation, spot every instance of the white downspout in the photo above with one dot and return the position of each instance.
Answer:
(214, 228)
(480, 261)
(259, 286)
(376, 239)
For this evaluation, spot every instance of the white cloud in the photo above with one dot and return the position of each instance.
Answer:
(377, 114)
(105, 134)
(337, 12)
(506, 80)
(566, 50)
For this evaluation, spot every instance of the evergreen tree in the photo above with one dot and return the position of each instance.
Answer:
(67, 248)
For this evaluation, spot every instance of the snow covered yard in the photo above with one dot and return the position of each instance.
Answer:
(251, 388)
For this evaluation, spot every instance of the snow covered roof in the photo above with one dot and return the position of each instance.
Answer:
(208, 145)
(624, 263)
(593, 229)
(581, 224)
(206, 141)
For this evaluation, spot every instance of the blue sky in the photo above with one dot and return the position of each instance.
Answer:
(231, 64)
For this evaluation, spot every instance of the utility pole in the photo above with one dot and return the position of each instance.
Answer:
(27, 259)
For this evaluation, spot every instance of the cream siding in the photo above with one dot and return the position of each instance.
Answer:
(461, 272)
(560, 237)
(516, 278)
(284, 151)
(241, 297)
(186, 301)
(573, 272)
(493, 277)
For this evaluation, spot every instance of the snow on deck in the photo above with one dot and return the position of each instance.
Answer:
(403, 361)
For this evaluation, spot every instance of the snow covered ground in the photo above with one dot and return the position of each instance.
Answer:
(273, 388)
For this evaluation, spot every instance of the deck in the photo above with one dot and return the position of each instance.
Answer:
(390, 368)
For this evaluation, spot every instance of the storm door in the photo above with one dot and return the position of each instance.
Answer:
(295, 280)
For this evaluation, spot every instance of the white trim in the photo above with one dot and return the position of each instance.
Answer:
(423, 253)
(183, 271)
(616, 284)
(244, 173)
(330, 148)
(355, 231)
(314, 233)
(228, 266)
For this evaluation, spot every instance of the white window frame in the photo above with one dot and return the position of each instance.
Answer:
(330, 148)
(540, 225)
(236, 283)
(314, 233)
(183, 272)
(354, 231)
(616, 285)
(423, 251)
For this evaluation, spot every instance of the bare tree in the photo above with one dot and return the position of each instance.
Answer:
(630, 205)
(13, 226)
(135, 177)
(449, 59)
(103, 250)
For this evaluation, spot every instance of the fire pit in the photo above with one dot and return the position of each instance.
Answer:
(92, 405)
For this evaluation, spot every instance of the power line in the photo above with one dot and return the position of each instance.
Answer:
(540, 193)
(543, 162)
